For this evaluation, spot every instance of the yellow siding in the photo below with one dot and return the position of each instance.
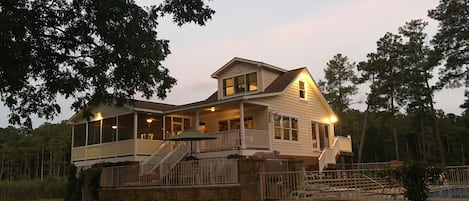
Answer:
(311, 109)
(148, 146)
(103, 150)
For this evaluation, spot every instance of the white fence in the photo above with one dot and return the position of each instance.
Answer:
(197, 172)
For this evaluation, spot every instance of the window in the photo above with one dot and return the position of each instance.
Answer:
(94, 132)
(252, 81)
(314, 136)
(285, 128)
(109, 130)
(234, 124)
(125, 127)
(301, 86)
(240, 84)
(228, 86)
(79, 135)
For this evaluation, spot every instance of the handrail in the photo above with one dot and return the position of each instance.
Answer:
(372, 180)
(156, 157)
(172, 159)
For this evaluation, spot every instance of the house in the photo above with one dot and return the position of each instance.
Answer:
(257, 108)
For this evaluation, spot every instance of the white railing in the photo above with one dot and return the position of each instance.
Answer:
(456, 175)
(173, 158)
(328, 155)
(229, 140)
(197, 172)
(155, 158)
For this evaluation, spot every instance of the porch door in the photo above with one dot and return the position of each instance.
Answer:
(323, 136)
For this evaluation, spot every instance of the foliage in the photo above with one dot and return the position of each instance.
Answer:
(50, 187)
(415, 178)
(34, 154)
(339, 85)
(90, 51)
(74, 184)
(452, 41)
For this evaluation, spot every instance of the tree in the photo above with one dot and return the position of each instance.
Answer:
(90, 51)
(384, 71)
(452, 41)
(339, 85)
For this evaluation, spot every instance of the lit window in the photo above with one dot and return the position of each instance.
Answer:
(228, 87)
(301, 85)
(240, 84)
(252, 81)
(285, 128)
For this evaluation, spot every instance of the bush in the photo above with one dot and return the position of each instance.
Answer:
(415, 178)
(49, 187)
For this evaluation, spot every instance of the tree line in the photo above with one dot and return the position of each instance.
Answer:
(35, 154)
(400, 121)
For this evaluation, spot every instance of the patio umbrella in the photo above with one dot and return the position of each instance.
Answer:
(191, 135)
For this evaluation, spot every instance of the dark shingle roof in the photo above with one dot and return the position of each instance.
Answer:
(153, 105)
(283, 81)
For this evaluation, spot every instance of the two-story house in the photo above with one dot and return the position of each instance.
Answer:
(257, 108)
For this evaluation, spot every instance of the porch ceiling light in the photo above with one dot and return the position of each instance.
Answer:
(114, 127)
(212, 109)
(149, 120)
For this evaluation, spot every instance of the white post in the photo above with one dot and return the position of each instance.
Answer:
(135, 133)
(241, 126)
(197, 121)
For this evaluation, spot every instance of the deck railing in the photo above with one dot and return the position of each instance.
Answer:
(230, 140)
(328, 155)
(197, 172)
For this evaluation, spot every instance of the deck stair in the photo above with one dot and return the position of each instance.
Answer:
(163, 160)
(329, 155)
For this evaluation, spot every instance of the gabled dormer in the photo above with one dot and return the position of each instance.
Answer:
(241, 77)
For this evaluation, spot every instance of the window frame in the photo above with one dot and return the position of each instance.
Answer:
(280, 127)
(240, 84)
(302, 89)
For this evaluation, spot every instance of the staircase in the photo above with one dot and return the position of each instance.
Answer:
(329, 155)
(164, 158)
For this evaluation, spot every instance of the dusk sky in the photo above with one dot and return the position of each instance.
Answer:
(287, 34)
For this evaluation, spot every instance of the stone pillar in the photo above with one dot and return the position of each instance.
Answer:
(249, 178)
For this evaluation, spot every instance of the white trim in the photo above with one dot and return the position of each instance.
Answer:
(237, 59)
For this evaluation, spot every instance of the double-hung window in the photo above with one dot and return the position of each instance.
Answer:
(302, 89)
(285, 128)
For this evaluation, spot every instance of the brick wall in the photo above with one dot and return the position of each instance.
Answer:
(248, 188)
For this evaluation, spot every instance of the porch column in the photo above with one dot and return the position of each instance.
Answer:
(197, 120)
(135, 133)
(241, 126)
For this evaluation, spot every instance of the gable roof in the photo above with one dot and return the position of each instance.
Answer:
(257, 63)
(283, 81)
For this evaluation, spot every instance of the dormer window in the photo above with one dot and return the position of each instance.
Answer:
(240, 84)
(302, 89)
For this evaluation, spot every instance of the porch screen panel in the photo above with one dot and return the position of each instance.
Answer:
(125, 127)
(94, 132)
(79, 135)
(109, 130)
(149, 127)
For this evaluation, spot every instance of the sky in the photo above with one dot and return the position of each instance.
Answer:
(287, 34)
